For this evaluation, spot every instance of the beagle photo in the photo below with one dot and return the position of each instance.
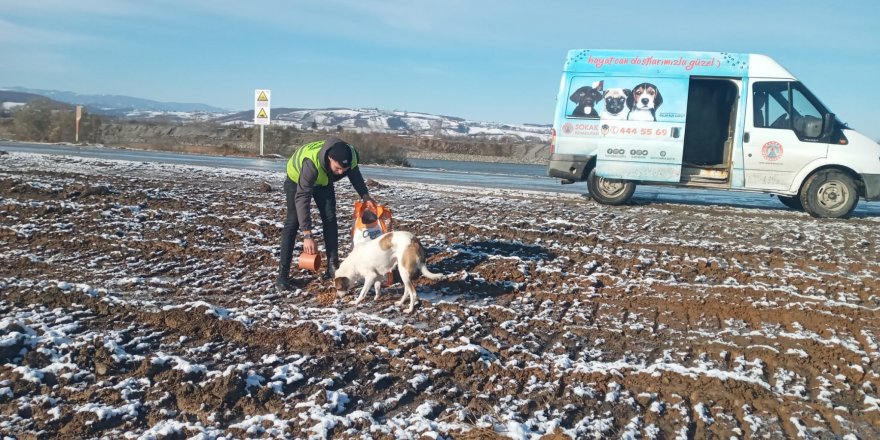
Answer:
(370, 261)
(643, 102)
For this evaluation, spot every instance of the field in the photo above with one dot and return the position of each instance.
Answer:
(136, 301)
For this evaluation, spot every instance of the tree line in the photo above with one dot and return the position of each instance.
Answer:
(44, 120)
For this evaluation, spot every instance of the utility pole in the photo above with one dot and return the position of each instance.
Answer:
(79, 109)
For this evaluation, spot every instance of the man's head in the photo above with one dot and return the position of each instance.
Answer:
(339, 158)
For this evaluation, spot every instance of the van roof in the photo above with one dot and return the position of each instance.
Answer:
(674, 63)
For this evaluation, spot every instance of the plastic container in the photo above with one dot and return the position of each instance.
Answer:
(310, 261)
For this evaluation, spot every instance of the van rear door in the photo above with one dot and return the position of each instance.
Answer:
(647, 144)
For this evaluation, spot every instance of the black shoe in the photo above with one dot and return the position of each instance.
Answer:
(330, 272)
(283, 284)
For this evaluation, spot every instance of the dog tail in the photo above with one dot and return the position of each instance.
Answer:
(431, 275)
(422, 268)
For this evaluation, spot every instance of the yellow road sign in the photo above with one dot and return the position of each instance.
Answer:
(262, 108)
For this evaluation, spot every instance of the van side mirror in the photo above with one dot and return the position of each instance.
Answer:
(827, 124)
(810, 126)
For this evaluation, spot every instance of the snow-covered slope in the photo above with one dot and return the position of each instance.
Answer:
(367, 120)
(394, 121)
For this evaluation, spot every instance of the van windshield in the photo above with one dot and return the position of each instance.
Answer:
(788, 105)
(814, 100)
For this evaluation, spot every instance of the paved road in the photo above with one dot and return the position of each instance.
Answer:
(425, 175)
(448, 176)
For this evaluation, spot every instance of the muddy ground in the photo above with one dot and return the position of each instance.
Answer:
(137, 302)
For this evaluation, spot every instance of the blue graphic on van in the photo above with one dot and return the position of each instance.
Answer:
(627, 99)
(654, 63)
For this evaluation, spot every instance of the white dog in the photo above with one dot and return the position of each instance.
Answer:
(370, 262)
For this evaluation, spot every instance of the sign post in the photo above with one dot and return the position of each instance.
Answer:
(79, 109)
(262, 110)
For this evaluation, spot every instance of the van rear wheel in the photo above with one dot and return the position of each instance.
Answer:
(793, 202)
(829, 194)
(609, 191)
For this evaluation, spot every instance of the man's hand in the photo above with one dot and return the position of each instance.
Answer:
(309, 246)
(369, 200)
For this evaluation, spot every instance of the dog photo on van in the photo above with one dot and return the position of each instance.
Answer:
(643, 102)
(615, 103)
(586, 98)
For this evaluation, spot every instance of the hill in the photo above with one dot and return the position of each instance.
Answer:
(119, 105)
(143, 123)
(361, 120)
(395, 122)
(10, 99)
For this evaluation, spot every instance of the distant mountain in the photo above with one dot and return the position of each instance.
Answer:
(358, 120)
(394, 122)
(118, 104)
(10, 100)
(18, 97)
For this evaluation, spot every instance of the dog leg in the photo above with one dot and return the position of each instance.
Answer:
(404, 279)
(402, 297)
(409, 291)
(413, 298)
(367, 284)
(376, 287)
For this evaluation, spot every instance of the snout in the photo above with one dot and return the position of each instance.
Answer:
(614, 105)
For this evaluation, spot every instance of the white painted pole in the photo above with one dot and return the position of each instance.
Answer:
(79, 109)
(261, 140)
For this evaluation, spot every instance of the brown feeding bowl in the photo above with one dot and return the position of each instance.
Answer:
(310, 261)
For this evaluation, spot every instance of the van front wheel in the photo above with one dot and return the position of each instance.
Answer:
(829, 194)
(609, 191)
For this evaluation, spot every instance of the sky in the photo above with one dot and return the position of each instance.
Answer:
(490, 60)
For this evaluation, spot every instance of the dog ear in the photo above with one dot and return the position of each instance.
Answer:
(630, 99)
(658, 99)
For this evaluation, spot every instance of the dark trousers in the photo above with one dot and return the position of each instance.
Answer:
(325, 200)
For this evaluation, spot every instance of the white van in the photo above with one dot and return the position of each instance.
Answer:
(705, 120)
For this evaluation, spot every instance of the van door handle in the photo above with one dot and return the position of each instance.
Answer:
(746, 137)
